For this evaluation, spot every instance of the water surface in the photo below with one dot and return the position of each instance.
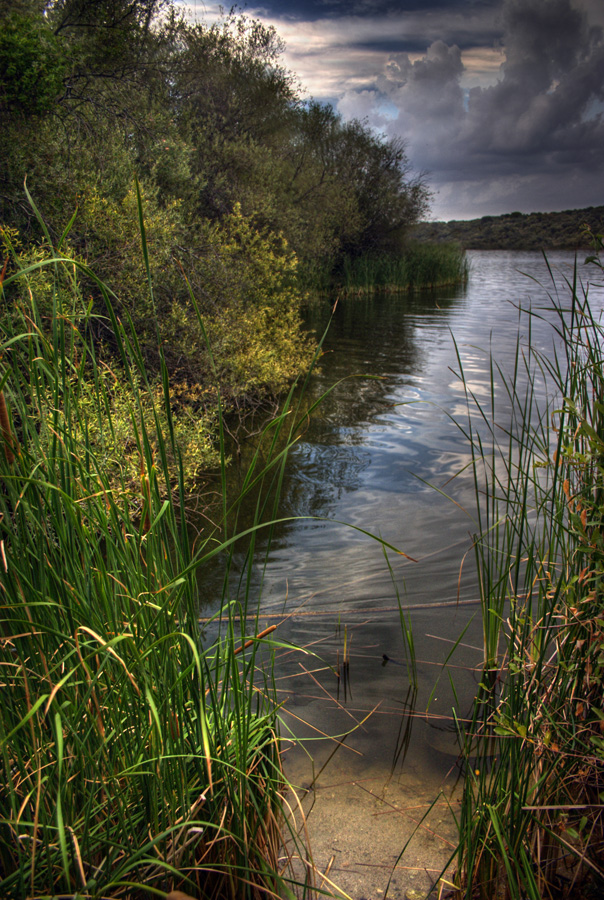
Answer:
(383, 453)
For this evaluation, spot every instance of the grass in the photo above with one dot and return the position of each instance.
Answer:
(421, 266)
(135, 758)
(530, 823)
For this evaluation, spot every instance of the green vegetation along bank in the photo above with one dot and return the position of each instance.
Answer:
(531, 822)
(136, 756)
(247, 190)
(568, 230)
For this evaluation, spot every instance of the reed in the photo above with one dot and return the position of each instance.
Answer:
(419, 267)
(135, 757)
(530, 824)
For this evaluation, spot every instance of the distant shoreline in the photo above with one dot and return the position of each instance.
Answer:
(566, 230)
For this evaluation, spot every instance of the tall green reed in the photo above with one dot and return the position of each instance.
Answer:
(418, 267)
(135, 758)
(530, 823)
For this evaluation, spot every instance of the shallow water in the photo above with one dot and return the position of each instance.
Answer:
(380, 454)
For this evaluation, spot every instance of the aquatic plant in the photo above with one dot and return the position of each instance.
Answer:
(530, 823)
(135, 756)
(418, 267)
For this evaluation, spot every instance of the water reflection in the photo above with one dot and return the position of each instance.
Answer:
(383, 453)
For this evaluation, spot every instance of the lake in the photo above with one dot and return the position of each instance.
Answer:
(383, 454)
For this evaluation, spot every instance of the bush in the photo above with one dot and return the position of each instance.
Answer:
(32, 65)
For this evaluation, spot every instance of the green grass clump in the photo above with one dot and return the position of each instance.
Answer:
(531, 823)
(418, 267)
(135, 758)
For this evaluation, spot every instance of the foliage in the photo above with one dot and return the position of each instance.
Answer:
(244, 283)
(531, 816)
(134, 756)
(244, 186)
(32, 65)
(38, 291)
(418, 266)
(250, 289)
(106, 39)
(208, 116)
(517, 231)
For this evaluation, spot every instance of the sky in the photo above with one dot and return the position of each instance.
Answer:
(500, 102)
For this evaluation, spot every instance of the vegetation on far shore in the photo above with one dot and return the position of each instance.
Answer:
(567, 230)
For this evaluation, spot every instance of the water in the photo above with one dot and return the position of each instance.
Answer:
(381, 454)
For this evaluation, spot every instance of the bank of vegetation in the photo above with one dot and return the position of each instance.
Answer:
(567, 230)
(251, 194)
(136, 756)
(531, 821)
(164, 193)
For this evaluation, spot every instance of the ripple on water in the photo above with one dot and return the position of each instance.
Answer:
(367, 458)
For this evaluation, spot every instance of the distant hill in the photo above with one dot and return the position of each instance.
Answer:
(518, 231)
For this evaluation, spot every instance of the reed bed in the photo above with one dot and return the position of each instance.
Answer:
(531, 823)
(135, 758)
(419, 267)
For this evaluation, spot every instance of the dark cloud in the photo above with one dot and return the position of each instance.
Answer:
(500, 101)
(312, 10)
(415, 43)
(532, 140)
(410, 24)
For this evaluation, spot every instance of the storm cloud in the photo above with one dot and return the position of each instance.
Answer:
(501, 102)
(533, 140)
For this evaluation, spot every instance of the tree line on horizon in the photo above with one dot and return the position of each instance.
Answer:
(570, 229)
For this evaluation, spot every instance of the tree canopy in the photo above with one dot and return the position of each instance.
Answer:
(238, 172)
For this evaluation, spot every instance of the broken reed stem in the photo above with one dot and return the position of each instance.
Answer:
(258, 637)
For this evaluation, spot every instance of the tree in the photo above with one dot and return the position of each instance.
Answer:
(389, 198)
(238, 175)
(32, 62)
(107, 38)
(356, 188)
